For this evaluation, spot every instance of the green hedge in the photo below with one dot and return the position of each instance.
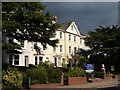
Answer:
(44, 73)
(38, 75)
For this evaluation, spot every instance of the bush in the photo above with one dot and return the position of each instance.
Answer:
(54, 75)
(44, 73)
(75, 72)
(99, 75)
(12, 78)
(38, 75)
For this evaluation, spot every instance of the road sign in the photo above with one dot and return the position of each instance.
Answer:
(89, 68)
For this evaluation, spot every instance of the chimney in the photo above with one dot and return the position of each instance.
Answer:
(54, 19)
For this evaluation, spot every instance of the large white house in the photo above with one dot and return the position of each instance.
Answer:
(70, 40)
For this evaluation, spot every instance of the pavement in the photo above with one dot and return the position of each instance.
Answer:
(102, 84)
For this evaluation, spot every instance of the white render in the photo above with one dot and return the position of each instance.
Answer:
(58, 57)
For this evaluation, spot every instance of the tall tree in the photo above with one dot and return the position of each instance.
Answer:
(104, 45)
(25, 21)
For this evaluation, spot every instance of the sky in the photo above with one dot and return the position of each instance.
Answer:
(87, 15)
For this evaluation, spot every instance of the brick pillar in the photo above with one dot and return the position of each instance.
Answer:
(62, 79)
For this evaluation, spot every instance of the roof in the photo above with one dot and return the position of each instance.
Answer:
(64, 26)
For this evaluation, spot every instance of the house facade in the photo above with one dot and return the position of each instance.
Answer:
(70, 40)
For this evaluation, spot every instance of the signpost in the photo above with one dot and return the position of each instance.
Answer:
(89, 68)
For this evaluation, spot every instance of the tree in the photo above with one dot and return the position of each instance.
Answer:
(104, 45)
(25, 21)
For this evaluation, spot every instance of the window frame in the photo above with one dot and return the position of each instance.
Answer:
(70, 49)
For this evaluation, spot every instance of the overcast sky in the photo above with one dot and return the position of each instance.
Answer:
(87, 15)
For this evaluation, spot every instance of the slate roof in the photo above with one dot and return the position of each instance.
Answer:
(64, 26)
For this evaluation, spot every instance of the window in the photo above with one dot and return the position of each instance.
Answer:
(59, 61)
(43, 48)
(69, 49)
(70, 62)
(74, 38)
(61, 48)
(11, 58)
(40, 59)
(26, 61)
(75, 49)
(47, 58)
(36, 60)
(54, 49)
(71, 27)
(60, 35)
(55, 61)
(81, 40)
(16, 60)
(69, 37)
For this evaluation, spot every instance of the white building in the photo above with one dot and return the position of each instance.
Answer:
(70, 40)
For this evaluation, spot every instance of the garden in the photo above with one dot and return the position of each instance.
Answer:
(23, 77)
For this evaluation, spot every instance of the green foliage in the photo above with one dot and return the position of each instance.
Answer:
(38, 75)
(104, 43)
(65, 65)
(44, 73)
(82, 61)
(99, 75)
(54, 75)
(12, 78)
(25, 21)
(75, 72)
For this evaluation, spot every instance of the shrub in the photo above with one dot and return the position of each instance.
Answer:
(75, 72)
(12, 78)
(44, 73)
(54, 75)
(38, 75)
(99, 75)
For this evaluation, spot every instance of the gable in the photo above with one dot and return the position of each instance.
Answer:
(72, 28)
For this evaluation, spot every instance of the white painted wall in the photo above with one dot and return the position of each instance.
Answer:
(49, 53)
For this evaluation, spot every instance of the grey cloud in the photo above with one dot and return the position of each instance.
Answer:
(86, 15)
